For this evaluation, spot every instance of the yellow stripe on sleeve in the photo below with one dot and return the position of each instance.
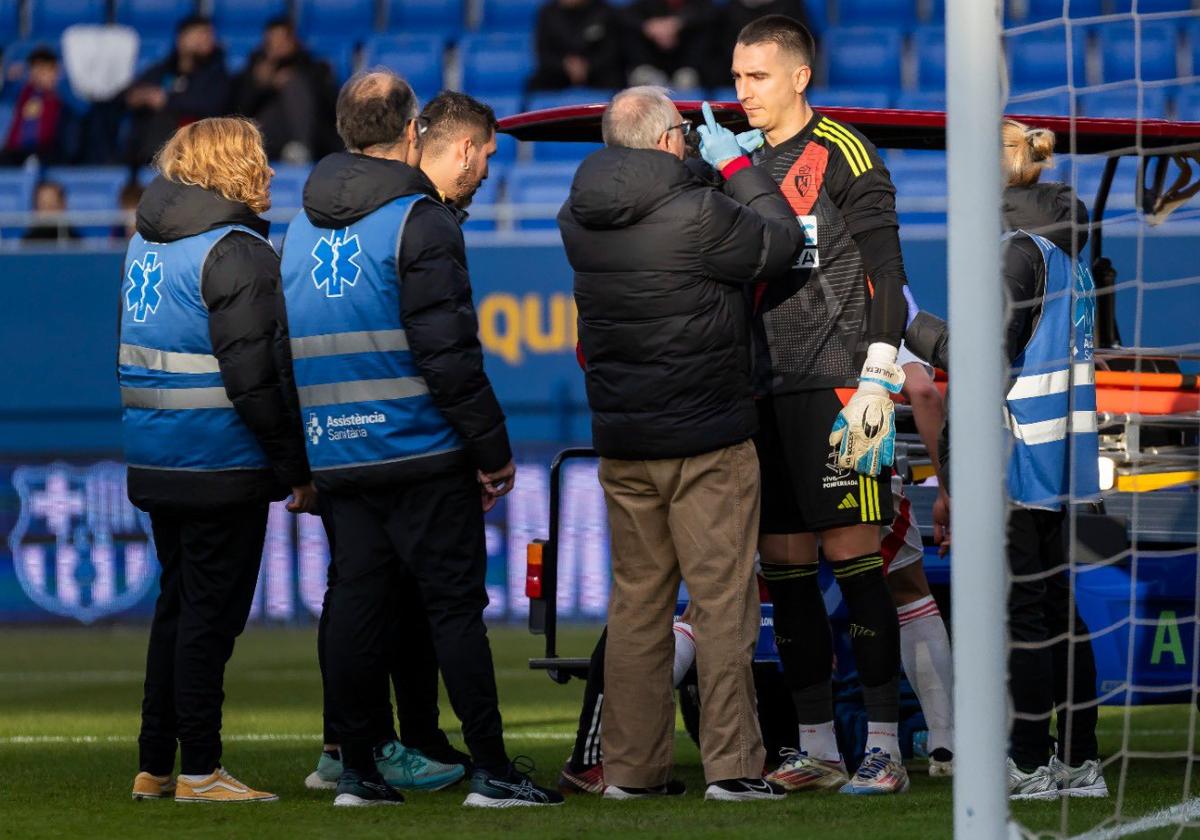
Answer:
(851, 146)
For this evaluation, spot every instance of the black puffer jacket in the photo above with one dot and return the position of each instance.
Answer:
(248, 327)
(435, 308)
(664, 265)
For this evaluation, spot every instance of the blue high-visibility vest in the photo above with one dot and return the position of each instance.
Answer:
(1052, 401)
(363, 401)
(175, 412)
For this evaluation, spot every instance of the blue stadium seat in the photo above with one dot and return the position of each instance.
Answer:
(849, 98)
(245, 17)
(48, 18)
(1146, 7)
(495, 63)
(552, 152)
(899, 13)
(238, 49)
(418, 58)
(570, 96)
(1038, 59)
(347, 18)
(504, 106)
(1192, 31)
(153, 18)
(1187, 105)
(506, 149)
(153, 50)
(16, 195)
(287, 187)
(487, 196)
(10, 20)
(1053, 9)
(338, 51)
(921, 100)
(1118, 42)
(540, 183)
(444, 16)
(1046, 105)
(1123, 104)
(90, 188)
(929, 42)
(863, 57)
(920, 189)
(510, 15)
(937, 13)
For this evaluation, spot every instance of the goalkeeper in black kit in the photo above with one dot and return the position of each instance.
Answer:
(826, 340)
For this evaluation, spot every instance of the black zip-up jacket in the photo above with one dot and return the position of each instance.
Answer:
(435, 308)
(247, 323)
(664, 264)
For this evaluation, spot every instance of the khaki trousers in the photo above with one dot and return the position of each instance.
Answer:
(696, 518)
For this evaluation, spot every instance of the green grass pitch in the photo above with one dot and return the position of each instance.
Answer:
(69, 702)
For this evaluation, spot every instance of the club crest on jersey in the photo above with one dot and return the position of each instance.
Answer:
(79, 548)
(803, 180)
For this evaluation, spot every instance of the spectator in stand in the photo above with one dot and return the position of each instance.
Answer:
(291, 94)
(49, 203)
(578, 45)
(670, 43)
(131, 195)
(737, 13)
(40, 115)
(188, 85)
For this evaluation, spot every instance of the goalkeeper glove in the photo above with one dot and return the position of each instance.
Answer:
(864, 433)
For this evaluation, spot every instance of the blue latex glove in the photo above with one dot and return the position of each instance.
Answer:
(717, 143)
(913, 309)
(750, 141)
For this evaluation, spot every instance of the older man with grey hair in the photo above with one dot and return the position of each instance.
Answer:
(665, 269)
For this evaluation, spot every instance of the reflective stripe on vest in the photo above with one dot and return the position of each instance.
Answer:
(176, 413)
(1051, 404)
(364, 400)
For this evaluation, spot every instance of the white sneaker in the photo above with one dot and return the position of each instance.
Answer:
(743, 790)
(1086, 780)
(1042, 783)
(941, 763)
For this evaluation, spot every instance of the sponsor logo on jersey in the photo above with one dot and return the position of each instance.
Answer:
(809, 257)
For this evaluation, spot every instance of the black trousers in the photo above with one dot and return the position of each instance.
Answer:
(1039, 609)
(413, 666)
(431, 533)
(210, 563)
(587, 735)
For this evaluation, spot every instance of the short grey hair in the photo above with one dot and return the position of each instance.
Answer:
(637, 117)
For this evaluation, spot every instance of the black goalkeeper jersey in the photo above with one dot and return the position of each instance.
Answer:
(810, 327)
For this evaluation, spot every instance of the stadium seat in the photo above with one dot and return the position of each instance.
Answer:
(540, 183)
(1118, 42)
(443, 16)
(937, 13)
(1123, 104)
(921, 100)
(1146, 7)
(418, 58)
(920, 189)
(245, 17)
(90, 188)
(1192, 32)
(571, 96)
(504, 106)
(1052, 9)
(929, 42)
(10, 20)
(354, 19)
(495, 63)
(552, 152)
(1187, 105)
(487, 196)
(901, 14)
(152, 50)
(509, 15)
(1046, 105)
(862, 57)
(849, 98)
(16, 194)
(1038, 59)
(338, 51)
(48, 18)
(238, 49)
(153, 18)
(287, 187)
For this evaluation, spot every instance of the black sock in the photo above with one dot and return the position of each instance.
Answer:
(803, 638)
(335, 754)
(874, 633)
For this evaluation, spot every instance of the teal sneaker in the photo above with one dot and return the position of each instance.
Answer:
(511, 789)
(408, 769)
(329, 770)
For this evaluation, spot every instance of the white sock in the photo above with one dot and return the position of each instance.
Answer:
(819, 741)
(685, 651)
(925, 651)
(187, 777)
(883, 735)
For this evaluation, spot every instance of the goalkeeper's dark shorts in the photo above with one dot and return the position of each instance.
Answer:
(802, 490)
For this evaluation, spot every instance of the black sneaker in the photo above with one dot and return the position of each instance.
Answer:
(743, 790)
(510, 789)
(673, 787)
(355, 791)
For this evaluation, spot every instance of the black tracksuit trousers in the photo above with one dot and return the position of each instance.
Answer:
(1039, 608)
(209, 569)
(430, 532)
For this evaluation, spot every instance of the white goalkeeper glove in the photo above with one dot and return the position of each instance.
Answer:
(864, 433)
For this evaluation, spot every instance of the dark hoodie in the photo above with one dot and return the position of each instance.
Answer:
(663, 266)
(435, 307)
(240, 284)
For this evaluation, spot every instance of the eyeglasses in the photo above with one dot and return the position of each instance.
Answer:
(684, 127)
